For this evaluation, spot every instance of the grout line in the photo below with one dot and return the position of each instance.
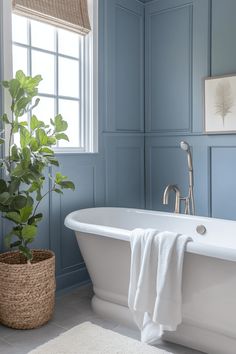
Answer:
(4, 340)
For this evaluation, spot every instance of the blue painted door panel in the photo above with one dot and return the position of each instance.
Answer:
(176, 62)
(223, 189)
(125, 171)
(168, 33)
(124, 28)
(223, 37)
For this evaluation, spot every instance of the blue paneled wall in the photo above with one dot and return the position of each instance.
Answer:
(153, 56)
(185, 42)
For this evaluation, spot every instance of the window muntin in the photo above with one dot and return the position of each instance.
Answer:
(59, 56)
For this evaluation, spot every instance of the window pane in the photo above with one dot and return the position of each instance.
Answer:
(43, 64)
(19, 29)
(68, 77)
(42, 36)
(45, 109)
(70, 112)
(20, 59)
(68, 43)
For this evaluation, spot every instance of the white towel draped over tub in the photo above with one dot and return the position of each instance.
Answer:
(155, 289)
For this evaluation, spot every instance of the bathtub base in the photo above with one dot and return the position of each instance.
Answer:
(112, 311)
(188, 335)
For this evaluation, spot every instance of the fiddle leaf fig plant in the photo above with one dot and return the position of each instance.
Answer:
(22, 187)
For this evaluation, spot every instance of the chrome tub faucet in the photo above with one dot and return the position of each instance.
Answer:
(189, 204)
(168, 189)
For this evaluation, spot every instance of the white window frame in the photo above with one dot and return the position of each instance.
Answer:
(90, 77)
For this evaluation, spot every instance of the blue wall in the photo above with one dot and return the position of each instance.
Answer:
(184, 42)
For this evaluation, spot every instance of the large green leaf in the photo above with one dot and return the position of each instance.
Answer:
(24, 123)
(20, 76)
(26, 212)
(67, 185)
(60, 124)
(14, 185)
(14, 153)
(29, 232)
(51, 141)
(62, 136)
(5, 119)
(35, 123)
(19, 171)
(30, 85)
(25, 137)
(20, 93)
(26, 153)
(5, 84)
(30, 201)
(13, 216)
(16, 244)
(53, 161)
(57, 190)
(59, 177)
(34, 145)
(46, 150)
(21, 105)
(34, 186)
(19, 202)
(15, 127)
(14, 86)
(41, 136)
(34, 81)
(35, 219)
(3, 186)
(17, 230)
(39, 195)
(4, 197)
(4, 208)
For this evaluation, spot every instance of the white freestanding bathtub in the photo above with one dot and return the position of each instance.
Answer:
(209, 273)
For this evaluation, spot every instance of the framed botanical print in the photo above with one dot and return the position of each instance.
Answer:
(220, 105)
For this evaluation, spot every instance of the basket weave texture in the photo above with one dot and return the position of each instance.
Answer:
(27, 291)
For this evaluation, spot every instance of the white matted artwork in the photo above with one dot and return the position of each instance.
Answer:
(220, 104)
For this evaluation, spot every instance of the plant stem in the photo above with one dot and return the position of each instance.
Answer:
(9, 148)
(37, 205)
(10, 139)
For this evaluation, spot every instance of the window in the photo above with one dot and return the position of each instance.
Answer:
(66, 61)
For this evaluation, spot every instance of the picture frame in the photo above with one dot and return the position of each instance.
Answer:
(220, 104)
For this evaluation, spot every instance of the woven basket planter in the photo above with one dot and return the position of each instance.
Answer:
(27, 291)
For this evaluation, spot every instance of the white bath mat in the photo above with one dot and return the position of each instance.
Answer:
(88, 338)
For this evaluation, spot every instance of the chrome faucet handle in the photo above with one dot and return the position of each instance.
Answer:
(168, 189)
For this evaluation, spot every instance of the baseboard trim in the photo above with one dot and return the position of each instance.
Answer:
(68, 281)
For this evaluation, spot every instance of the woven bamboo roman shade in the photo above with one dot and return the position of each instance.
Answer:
(68, 14)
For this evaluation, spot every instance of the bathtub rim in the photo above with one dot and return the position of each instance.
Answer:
(195, 247)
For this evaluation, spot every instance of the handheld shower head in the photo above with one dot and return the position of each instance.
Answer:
(184, 146)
